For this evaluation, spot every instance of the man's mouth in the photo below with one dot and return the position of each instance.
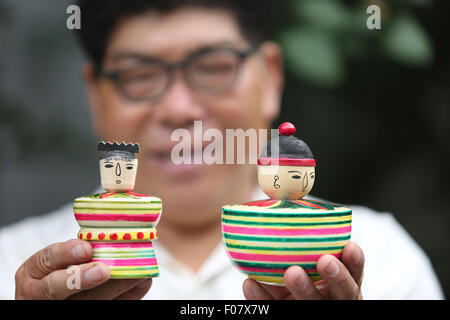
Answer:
(163, 160)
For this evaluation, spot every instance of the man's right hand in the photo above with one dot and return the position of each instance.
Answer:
(44, 276)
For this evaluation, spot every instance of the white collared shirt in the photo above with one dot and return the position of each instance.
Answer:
(396, 267)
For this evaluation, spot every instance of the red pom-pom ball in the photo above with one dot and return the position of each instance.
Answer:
(286, 129)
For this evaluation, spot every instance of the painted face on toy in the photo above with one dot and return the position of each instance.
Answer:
(286, 182)
(118, 174)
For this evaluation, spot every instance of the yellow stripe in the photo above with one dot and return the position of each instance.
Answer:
(278, 280)
(306, 236)
(287, 244)
(120, 233)
(284, 253)
(136, 274)
(277, 262)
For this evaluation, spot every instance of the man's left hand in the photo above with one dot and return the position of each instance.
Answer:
(340, 280)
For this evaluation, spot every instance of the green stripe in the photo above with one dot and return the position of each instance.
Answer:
(137, 275)
(273, 274)
(258, 223)
(229, 245)
(286, 214)
(305, 266)
(239, 237)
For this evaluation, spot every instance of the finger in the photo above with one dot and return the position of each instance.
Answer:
(137, 292)
(341, 285)
(58, 256)
(109, 290)
(277, 292)
(300, 285)
(254, 291)
(322, 287)
(353, 258)
(61, 284)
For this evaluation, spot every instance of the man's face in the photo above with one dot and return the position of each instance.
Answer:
(252, 101)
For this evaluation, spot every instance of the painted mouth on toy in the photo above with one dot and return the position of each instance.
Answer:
(118, 181)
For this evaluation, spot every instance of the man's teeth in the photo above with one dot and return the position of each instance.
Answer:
(198, 154)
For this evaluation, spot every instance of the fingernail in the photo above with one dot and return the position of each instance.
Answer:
(332, 268)
(79, 252)
(300, 281)
(255, 289)
(356, 255)
(94, 274)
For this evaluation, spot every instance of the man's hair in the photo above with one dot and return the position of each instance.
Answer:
(100, 17)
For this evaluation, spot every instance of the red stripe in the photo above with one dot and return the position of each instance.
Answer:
(285, 232)
(305, 202)
(116, 217)
(121, 245)
(286, 162)
(278, 258)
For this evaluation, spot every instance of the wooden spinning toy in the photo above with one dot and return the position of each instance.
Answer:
(120, 224)
(264, 238)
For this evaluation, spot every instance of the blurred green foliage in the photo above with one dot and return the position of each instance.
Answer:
(324, 34)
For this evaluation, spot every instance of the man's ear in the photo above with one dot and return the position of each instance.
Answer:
(274, 79)
(91, 86)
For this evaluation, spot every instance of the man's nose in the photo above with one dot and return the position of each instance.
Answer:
(179, 107)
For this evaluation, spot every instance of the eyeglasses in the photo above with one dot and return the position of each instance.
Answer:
(211, 70)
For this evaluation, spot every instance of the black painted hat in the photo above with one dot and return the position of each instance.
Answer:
(291, 150)
(114, 149)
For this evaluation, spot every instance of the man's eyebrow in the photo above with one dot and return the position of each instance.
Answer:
(294, 171)
(131, 55)
(142, 57)
(214, 45)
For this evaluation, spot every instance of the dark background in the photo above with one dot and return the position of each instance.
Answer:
(373, 105)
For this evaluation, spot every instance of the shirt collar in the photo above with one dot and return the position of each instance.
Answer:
(217, 262)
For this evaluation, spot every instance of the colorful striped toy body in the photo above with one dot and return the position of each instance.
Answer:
(120, 227)
(264, 238)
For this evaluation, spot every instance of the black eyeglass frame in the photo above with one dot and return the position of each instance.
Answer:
(184, 64)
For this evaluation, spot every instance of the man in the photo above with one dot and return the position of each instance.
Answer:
(229, 77)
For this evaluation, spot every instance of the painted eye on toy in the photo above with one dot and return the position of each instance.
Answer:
(129, 167)
(108, 165)
(296, 177)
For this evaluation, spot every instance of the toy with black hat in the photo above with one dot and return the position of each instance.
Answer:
(263, 238)
(120, 224)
